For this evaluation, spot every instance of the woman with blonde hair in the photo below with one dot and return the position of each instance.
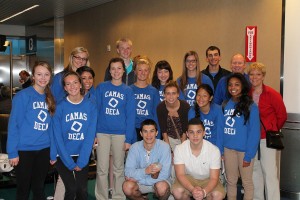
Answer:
(146, 96)
(191, 77)
(79, 57)
(272, 113)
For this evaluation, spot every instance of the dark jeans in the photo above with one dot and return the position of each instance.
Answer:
(31, 172)
(75, 181)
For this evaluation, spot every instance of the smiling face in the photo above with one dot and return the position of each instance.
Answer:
(124, 50)
(238, 64)
(213, 57)
(41, 77)
(79, 60)
(87, 80)
(203, 98)
(191, 63)
(234, 87)
(171, 94)
(116, 70)
(163, 75)
(256, 77)
(72, 85)
(149, 134)
(142, 72)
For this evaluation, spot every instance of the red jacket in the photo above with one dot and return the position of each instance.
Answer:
(272, 110)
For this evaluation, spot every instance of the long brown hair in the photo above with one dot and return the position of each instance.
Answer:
(49, 97)
(184, 76)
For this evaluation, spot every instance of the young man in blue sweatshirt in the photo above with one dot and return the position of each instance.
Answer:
(148, 165)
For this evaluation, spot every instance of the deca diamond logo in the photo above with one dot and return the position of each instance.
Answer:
(76, 126)
(42, 116)
(207, 131)
(191, 94)
(142, 104)
(230, 121)
(113, 102)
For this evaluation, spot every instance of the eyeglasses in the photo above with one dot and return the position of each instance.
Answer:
(80, 59)
(191, 61)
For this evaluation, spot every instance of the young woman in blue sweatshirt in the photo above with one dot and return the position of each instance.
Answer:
(146, 96)
(87, 75)
(29, 133)
(162, 74)
(241, 135)
(210, 114)
(79, 57)
(191, 77)
(115, 128)
(74, 129)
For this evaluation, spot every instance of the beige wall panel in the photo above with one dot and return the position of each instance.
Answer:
(166, 29)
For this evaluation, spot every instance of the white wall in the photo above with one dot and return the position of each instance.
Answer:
(291, 79)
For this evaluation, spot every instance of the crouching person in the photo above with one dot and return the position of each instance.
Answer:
(148, 165)
(197, 166)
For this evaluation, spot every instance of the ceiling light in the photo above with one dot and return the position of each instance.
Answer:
(27, 9)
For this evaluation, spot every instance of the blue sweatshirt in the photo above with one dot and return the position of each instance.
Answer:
(146, 100)
(240, 137)
(138, 160)
(189, 93)
(214, 124)
(29, 127)
(57, 88)
(220, 94)
(74, 130)
(116, 106)
(161, 92)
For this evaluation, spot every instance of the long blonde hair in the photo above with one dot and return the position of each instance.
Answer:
(75, 51)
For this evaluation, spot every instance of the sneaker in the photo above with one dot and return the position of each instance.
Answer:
(110, 193)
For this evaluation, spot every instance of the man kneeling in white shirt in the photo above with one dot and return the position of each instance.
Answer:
(197, 166)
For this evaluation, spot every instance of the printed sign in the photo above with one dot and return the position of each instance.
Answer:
(31, 44)
(251, 43)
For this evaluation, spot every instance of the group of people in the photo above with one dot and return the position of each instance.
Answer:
(175, 133)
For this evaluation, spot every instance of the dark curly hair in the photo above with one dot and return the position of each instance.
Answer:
(244, 101)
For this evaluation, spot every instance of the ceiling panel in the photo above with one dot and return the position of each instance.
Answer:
(48, 9)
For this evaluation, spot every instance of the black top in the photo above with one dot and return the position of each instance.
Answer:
(27, 83)
(162, 115)
(221, 73)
